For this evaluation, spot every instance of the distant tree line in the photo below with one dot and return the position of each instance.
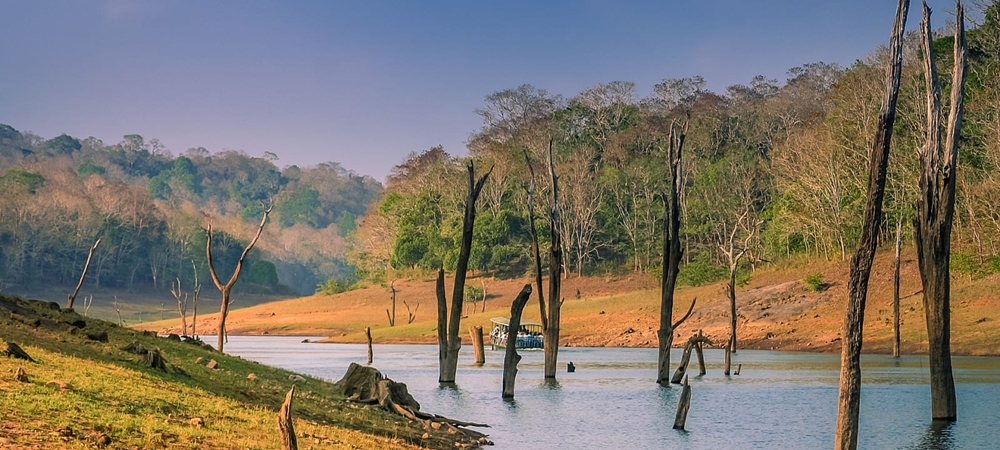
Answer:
(772, 170)
(150, 210)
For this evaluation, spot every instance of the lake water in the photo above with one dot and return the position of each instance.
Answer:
(781, 400)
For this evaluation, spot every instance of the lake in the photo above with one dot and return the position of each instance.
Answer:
(781, 400)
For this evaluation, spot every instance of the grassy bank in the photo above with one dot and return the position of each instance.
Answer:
(113, 397)
(776, 310)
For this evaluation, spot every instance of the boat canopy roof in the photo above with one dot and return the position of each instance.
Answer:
(506, 321)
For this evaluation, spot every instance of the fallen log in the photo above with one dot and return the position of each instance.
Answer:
(14, 350)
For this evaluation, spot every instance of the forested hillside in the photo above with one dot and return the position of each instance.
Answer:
(771, 169)
(150, 208)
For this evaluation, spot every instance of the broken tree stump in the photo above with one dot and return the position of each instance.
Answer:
(738, 367)
(14, 350)
(686, 358)
(368, 334)
(477, 344)
(729, 361)
(285, 423)
(154, 360)
(683, 406)
(21, 375)
(701, 357)
(511, 358)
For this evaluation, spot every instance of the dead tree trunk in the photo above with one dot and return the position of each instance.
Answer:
(368, 334)
(511, 358)
(227, 288)
(935, 213)
(683, 406)
(849, 399)
(182, 303)
(194, 301)
(895, 292)
(477, 344)
(728, 363)
(701, 358)
(448, 340)
(681, 372)
(671, 254)
(285, 423)
(392, 316)
(534, 241)
(72, 297)
(551, 329)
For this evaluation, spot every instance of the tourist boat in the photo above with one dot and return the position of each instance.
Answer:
(529, 335)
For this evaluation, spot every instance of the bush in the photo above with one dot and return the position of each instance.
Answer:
(335, 286)
(814, 282)
(700, 271)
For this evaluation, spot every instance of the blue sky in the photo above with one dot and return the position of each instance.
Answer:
(364, 83)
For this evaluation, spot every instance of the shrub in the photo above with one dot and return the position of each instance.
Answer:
(814, 282)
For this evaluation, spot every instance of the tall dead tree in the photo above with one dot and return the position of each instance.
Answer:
(671, 254)
(72, 297)
(392, 315)
(550, 316)
(849, 399)
(936, 210)
(448, 340)
(227, 288)
(895, 291)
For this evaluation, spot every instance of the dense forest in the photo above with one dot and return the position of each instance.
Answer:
(150, 208)
(773, 169)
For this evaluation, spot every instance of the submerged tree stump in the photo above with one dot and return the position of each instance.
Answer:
(477, 344)
(368, 334)
(729, 361)
(285, 423)
(686, 358)
(683, 406)
(511, 358)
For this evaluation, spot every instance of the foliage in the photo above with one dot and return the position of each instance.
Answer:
(700, 271)
(335, 286)
(814, 282)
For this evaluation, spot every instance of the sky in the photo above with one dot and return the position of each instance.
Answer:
(364, 83)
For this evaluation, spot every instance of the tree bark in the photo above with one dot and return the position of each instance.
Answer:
(895, 293)
(511, 358)
(477, 344)
(227, 288)
(285, 427)
(849, 397)
(683, 406)
(86, 265)
(935, 213)
(551, 328)
(449, 343)
(368, 334)
(534, 240)
(671, 254)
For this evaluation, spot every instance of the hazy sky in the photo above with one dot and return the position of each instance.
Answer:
(364, 83)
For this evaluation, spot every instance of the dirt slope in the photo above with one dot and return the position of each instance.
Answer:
(775, 311)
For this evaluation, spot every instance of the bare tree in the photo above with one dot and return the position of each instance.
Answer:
(182, 304)
(895, 291)
(194, 301)
(448, 340)
(849, 400)
(936, 210)
(411, 315)
(671, 254)
(392, 315)
(227, 288)
(72, 297)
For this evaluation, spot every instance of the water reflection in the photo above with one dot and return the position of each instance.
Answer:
(939, 436)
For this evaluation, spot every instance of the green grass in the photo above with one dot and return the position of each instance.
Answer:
(136, 406)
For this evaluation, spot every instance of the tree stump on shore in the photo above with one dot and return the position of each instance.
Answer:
(14, 350)
(285, 423)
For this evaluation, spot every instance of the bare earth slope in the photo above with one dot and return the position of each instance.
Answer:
(775, 311)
